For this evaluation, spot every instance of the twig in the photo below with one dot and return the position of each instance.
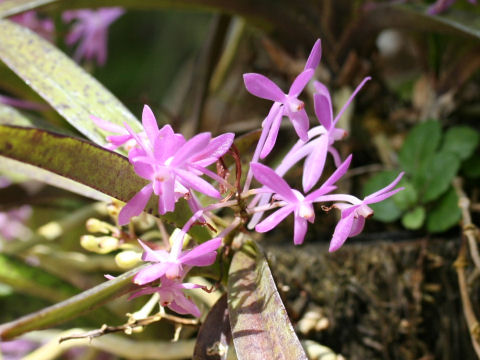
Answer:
(129, 326)
(469, 229)
(469, 233)
(114, 344)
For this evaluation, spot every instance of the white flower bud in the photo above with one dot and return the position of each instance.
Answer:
(128, 259)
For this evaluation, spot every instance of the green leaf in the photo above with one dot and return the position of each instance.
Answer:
(434, 178)
(415, 17)
(414, 219)
(419, 146)
(461, 140)
(33, 281)
(11, 116)
(67, 87)
(260, 326)
(445, 214)
(12, 7)
(69, 308)
(79, 165)
(406, 198)
(386, 210)
(471, 167)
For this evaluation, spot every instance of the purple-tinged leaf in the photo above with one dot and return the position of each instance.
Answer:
(215, 336)
(79, 166)
(260, 325)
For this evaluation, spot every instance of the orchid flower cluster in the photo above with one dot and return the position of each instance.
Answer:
(177, 168)
(89, 30)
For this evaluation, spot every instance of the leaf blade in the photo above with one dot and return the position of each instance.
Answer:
(260, 325)
(69, 308)
(71, 91)
(81, 165)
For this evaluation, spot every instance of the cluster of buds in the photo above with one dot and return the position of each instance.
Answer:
(176, 167)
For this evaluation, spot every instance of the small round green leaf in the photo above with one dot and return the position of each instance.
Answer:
(434, 178)
(461, 140)
(445, 214)
(406, 198)
(420, 144)
(414, 219)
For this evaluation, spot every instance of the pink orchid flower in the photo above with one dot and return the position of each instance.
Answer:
(172, 296)
(174, 264)
(292, 201)
(172, 164)
(12, 223)
(355, 211)
(284, 104)
(42, 26)
(315, 161)
(91, 32)
(123, 137)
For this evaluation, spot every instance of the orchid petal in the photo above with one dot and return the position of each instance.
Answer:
(299, 230)
(323, 108)
(386, 188)
(336, 156)
(314, 164)
(152, 255)
(272, 133)
(151, 273)
(341, 233)
(143, 170)
(300, 123)
(357, 226)
(350, 99)
(196, 183)
(315, 55)
(339, 172)
(149, 124)
(182, 305)
(190, 286)
(217, 147)
(166, 202)
(136, 205)
(270, 179)
(300, 82)
(144, 291)
(107, 125)
(202, 255)
(263, 87)
(381, 197)
(190, 148)
(274, 219)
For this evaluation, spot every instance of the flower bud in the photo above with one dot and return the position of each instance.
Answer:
(50, 231)
(128, 259)
(96, 226)
(99, 245)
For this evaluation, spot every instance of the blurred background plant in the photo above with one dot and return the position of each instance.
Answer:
(395, 286)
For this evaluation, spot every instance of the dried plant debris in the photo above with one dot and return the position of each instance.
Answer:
(377, 301)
